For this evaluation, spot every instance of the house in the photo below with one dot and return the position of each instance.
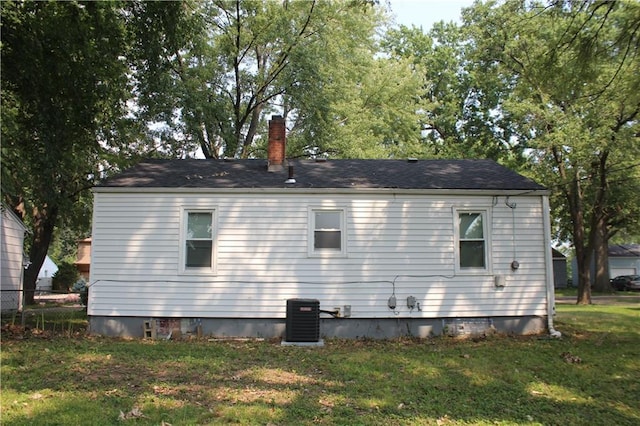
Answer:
(12, 260)
(44, 283)
(83, 260)
(624, 259)
(48, 268)
(387, 247)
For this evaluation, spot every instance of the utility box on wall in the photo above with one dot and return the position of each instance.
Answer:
(303, 320)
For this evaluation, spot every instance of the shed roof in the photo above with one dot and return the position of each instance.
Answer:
(339, 174)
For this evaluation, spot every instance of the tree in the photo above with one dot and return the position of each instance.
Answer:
(573, 70)
(366, 110)
(218, 66)
(64, 86)
(460, 104)
(620, 212)
(221, 67)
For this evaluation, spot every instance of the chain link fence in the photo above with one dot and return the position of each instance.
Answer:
(51, 313)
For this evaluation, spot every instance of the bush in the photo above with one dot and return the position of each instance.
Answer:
(66, 275)
(81, 288)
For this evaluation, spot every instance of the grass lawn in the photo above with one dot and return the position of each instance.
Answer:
(589, 376)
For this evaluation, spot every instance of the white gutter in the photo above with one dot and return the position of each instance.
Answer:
(548, 260)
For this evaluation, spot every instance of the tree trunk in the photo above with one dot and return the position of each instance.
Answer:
(43, 224)
(583, 259)
(599, 225)
(583, 250)
(601, 258)
(251, 133)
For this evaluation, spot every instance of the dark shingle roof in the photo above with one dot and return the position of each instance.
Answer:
(624, 250)
(355, 174)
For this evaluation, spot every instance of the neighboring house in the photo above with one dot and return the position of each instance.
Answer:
(388, 247)
(12, 260)
(44, 284)
(83, 261)
(559, 269)
(48, 268)
(624, 259)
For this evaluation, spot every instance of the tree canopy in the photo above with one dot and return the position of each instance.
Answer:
(573, 75)
(221, 67)
(548, 88)
(64, 88)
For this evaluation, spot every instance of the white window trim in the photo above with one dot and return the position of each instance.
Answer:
(311, 225)
(486, 230)
(184, 215)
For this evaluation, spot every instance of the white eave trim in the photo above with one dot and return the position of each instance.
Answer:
(289, 191)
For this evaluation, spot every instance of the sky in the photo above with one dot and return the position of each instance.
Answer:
(425, 13)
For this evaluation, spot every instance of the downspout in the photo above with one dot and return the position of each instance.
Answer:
(548, 260)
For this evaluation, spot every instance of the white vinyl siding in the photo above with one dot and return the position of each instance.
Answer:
(12, 256)
(261, 256)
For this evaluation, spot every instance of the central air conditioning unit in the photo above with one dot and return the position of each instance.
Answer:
(303, 320)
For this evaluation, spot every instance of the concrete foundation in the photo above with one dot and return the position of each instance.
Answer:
(349, 328)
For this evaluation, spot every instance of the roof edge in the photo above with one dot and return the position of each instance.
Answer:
(5, 209)
(285, 190)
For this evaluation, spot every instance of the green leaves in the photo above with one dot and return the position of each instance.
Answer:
(571, 91)
(240, 62)
(64, 88)
(550, 88)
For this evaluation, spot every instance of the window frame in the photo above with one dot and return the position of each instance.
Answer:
(485, 214)
(311, 250)
(184, 224)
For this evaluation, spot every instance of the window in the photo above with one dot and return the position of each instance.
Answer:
(327, 236)
(198, 242)
(472, 253)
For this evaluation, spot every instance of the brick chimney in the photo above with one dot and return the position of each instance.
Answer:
(276, 148)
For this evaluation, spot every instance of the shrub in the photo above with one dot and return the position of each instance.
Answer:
(81, 288)
(66, 275)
